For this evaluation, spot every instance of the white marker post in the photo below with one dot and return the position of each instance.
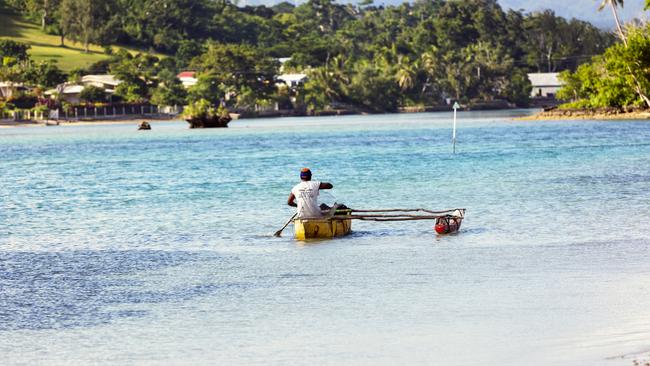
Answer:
(453, 136)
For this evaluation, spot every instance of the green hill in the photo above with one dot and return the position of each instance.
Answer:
(46, 46)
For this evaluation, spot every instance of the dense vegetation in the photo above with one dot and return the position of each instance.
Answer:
(619, 78)
(364, 57)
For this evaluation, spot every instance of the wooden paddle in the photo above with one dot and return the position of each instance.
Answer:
(279, 232)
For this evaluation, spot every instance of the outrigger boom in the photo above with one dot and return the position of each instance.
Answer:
(375, 215)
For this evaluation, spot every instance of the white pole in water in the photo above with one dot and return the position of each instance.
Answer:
(453, 136)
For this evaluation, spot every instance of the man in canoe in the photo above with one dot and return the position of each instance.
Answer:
(306, 193)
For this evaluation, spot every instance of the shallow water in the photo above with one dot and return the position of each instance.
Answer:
(156, 248)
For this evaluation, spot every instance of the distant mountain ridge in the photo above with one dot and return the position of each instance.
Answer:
(580, 9)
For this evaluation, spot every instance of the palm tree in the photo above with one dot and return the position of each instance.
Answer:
(431, 65)
(613, 4)
(405, 73)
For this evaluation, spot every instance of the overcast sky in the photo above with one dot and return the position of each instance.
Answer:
(581, 9)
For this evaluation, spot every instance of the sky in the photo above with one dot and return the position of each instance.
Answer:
(581, 9)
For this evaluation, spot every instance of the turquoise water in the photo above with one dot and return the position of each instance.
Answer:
(156, 247)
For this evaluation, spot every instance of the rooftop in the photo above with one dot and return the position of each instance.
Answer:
(544, 79)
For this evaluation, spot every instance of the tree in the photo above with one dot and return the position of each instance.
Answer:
(208, 87)
(93, 94)
(169, 91)
(372, 88)
(616, 79)
(43, 73)
(13, 50)
(235, 68)
(613, 4)
(138, 75)
(406, 73)
(46, 8)
(631, 61)
(86, 21)
(517, 88)
(43, 10)
(165, 24)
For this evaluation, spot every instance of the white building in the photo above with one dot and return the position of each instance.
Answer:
(106, 82)
(545, 84)
(188, 78)
(70, 93)
(8, 88)
(293, 80)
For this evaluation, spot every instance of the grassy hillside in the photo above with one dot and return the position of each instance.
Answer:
(46, 46)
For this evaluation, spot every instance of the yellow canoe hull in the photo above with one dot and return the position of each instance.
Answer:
(321, 228)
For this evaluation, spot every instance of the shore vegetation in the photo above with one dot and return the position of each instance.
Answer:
(354, 57)
(616, 81)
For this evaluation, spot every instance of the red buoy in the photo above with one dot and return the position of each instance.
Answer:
(447, 224)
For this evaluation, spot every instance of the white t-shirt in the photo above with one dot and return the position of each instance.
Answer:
(306, 193)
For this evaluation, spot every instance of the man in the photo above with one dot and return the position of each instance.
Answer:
(306, 193)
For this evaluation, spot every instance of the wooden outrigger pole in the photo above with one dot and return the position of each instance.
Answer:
(396, 214)
(447, 221)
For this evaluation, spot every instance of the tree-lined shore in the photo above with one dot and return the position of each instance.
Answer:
(614, 84)
(358, 57)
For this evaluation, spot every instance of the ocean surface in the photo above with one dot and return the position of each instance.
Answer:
(125, 247)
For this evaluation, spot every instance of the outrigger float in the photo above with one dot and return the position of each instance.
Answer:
(338, 222)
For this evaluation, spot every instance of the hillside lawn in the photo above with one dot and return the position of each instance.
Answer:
(46, 46)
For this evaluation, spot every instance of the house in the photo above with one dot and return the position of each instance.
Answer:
(293, 80)
(188, 78)
(545, 84)
(70, 93)
(9, 88)
(106, 82)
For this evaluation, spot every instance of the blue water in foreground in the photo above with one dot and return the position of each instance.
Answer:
(156, 248)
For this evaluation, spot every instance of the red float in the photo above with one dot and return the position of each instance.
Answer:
(448, 224)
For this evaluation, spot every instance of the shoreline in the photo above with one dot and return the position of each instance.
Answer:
(550, 115)
(578, 114)
(154, 118)
(54, 123)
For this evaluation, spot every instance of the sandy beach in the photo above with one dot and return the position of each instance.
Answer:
(561, 114)
(49, 123)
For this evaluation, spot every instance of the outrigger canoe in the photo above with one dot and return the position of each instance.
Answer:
(338, 222)
(323, 227)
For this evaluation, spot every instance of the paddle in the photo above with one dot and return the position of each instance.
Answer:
(279, 232)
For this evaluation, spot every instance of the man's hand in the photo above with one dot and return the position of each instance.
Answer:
(292, 200)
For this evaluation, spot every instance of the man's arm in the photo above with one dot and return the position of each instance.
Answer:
(325, 185)
(292, 200)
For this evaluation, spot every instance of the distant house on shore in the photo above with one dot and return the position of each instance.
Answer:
(293, 80)
(106, 82)
(545, 84)
(70, 93)
(188, 78)
(9, 88)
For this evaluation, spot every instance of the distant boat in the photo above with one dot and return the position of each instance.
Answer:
(144, 125)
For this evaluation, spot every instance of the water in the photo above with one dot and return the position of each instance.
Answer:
(156, 247)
